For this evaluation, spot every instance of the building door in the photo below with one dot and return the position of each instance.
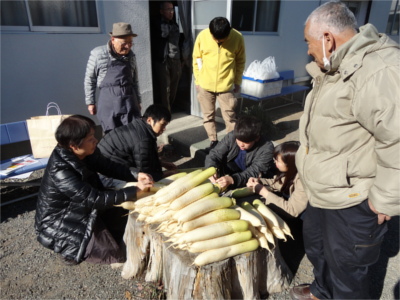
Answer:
(360, 10)
(182, 99)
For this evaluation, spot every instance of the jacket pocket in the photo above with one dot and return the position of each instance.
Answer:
(367, 254)
(368, 237)
(362, 163)
(326, 169)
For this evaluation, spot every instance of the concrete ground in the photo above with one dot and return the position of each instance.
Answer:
(187, 135)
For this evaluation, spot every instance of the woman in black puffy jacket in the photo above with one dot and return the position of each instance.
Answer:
(75, 215)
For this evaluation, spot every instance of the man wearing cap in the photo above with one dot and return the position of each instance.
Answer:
(112, 68)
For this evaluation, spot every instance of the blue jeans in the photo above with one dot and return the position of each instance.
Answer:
(341, 244)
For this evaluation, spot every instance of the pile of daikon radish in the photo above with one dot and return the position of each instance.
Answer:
(189, 211)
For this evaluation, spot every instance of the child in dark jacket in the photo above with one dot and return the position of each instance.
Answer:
(243, 153)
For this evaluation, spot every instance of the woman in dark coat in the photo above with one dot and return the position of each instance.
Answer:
(75, 215)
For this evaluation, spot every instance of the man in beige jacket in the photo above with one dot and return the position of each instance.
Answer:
(349, 158)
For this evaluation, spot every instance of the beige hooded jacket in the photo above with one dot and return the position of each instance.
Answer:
(350, 128)
(297, 202)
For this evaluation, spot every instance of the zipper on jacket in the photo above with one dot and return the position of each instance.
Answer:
(216, 75)
(316, 90)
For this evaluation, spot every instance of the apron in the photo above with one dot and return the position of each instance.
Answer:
(118, 103)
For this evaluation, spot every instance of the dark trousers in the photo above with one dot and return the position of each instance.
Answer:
(168, 75)
(341, 245)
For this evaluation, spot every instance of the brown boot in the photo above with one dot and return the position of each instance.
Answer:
(302, 292)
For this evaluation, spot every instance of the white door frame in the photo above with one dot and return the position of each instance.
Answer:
(194, 104)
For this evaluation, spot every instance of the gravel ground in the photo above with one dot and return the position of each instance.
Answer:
(30, 271)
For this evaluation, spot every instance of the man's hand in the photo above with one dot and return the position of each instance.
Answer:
(92, 109)
(142, 188)
(145, 182)
(381, 217)
(145, 178)
(224, 181)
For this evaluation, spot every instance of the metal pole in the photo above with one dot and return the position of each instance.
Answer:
(18, 199)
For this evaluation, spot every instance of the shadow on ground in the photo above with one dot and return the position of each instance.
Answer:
(15, 209)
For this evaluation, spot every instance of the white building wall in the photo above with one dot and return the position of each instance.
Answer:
(37, 68)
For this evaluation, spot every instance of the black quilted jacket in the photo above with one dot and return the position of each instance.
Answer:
(134, 145)
(70, 198)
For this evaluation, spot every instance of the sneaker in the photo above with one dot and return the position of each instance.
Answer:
(302, 292)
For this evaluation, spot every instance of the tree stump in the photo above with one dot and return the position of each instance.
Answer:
(245, 276)
(137, 240)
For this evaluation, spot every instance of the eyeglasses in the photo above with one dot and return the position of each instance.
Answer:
(124, 44)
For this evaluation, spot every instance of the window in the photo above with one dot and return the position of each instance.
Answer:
(49, 15)
(256, 16)
(360, 10)
(393, 20)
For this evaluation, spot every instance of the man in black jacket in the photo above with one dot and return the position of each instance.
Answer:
(135, 144)
(166, 57)
(241, 154)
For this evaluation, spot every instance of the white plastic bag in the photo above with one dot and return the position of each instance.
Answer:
(262, 70)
